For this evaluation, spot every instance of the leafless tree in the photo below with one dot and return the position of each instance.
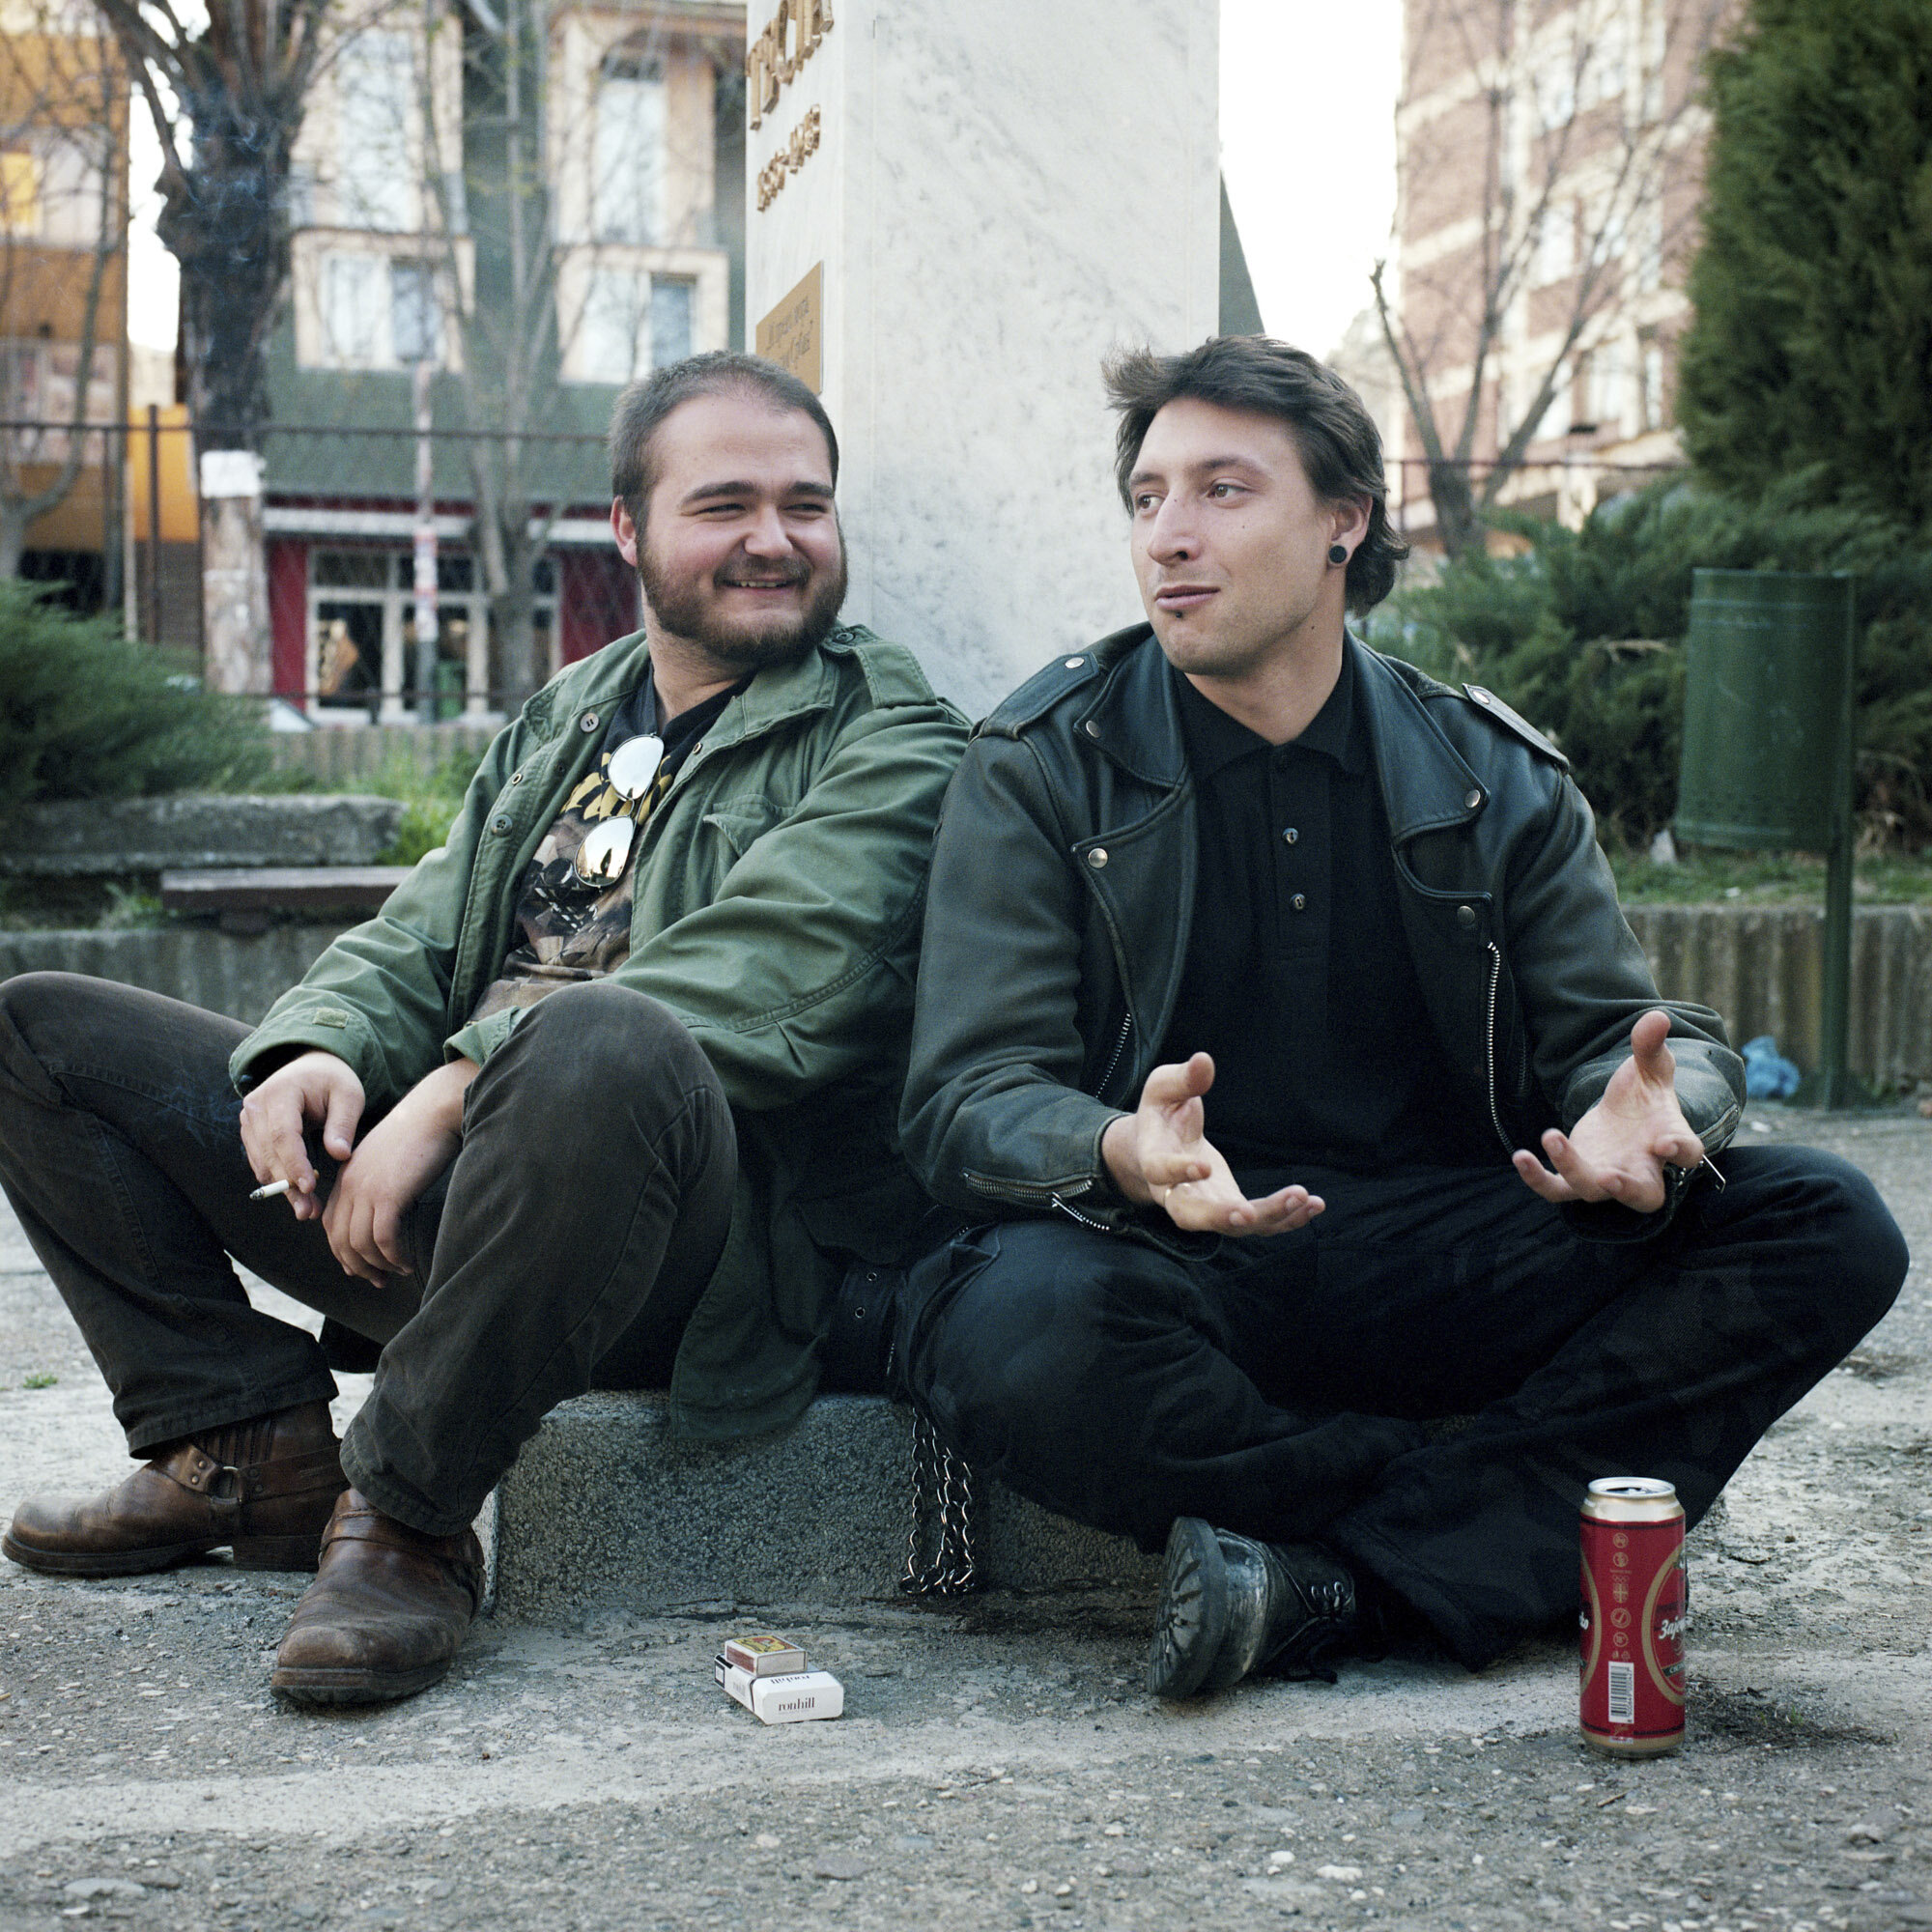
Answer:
(1548, 156)
(533, 200)
(63, 229)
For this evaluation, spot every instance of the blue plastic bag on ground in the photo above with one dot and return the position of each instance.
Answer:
(1767, 1074)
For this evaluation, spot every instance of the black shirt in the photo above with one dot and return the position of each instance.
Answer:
(1298, 978)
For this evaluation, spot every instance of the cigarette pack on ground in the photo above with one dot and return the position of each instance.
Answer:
(793, 1699)
(765, 1655)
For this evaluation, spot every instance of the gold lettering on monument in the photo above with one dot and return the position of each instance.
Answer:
(773, 60)
(793, 336)
(789, 160)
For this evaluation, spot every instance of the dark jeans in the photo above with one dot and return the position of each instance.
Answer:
(1279, 1389)
(563, 1249)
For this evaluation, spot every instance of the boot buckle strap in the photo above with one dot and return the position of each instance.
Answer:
(223, 1485)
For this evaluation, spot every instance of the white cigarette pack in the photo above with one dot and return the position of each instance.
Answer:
(798, 1699)
(736, 1680)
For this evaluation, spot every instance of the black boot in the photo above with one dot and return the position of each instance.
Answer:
(1229, 1605)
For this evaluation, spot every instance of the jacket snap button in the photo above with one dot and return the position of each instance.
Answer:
(501, 822)
(1466, 915)
(1299, 902)
(1474, 799)
(588, 721)
(1092, 729)
(1097, 856)
(1074, 664)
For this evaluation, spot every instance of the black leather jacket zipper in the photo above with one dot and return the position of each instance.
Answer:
(1490, 1044)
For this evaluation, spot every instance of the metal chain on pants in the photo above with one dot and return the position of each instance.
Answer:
(942, 1516)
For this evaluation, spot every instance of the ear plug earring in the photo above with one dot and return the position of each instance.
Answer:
(1338, 552)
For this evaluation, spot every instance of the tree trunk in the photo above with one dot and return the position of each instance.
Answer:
(223, 224)
(1456, 522)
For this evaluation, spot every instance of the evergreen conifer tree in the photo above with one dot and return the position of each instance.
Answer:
(1811, 347)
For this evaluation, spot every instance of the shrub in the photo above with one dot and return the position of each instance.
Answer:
(1584, 632)
(86, 714)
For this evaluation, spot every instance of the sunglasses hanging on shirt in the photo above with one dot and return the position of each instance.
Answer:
(607, 847)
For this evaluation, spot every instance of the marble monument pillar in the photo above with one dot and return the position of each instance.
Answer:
(954, 212)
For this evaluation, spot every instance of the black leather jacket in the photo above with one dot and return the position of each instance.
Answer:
(1062, 888)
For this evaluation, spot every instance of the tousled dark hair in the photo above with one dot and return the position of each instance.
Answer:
(1341, 449)
(644, 405)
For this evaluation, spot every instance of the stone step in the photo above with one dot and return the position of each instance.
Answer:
(73, 838)
(603, 1510)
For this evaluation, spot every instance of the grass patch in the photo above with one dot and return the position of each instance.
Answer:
(431, 795)
(39, 1379)
(1767, 878)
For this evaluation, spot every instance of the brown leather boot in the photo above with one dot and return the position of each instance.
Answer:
(386, 1614)
(263, 1488)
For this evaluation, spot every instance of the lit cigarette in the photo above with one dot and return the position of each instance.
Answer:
(270, 1192)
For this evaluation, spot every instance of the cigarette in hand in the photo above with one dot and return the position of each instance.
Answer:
(270, 1192)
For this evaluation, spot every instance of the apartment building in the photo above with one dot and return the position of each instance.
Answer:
(498, 221)
(1550, 156)
(62, 295)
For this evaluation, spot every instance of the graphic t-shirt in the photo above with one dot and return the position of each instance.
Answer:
(569, 928)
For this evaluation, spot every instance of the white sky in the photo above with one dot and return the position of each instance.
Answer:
(1307, 141)
(1308, 92)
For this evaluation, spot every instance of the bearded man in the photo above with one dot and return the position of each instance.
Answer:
(602, 1097)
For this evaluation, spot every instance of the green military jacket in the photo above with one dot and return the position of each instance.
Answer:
(777, 901)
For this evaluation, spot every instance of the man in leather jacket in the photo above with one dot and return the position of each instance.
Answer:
(1341, 1197)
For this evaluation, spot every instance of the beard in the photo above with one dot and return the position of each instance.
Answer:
(684, 607)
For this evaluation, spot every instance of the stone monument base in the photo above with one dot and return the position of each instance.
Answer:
(603, 1511)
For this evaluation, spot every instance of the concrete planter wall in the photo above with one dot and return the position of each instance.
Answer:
(93, 838)
(242, 976)
(1760, 966)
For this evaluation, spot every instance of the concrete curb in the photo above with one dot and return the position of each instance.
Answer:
(603, 1510)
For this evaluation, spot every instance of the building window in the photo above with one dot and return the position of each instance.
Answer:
(616, 308)
(1555, 245)
(1650, 378)
(351, 308)
(374, 81)
(415, 319)
(672, 301)
(379, 312)
(634, 321)
(628, 156)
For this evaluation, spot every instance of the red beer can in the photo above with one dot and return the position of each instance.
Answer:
(1636, 1599)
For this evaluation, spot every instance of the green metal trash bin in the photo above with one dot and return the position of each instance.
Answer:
(1767, 759)
(1767, 711)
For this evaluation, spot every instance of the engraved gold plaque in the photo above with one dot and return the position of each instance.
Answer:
(793, 336)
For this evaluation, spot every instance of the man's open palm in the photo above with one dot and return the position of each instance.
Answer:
(1619, 1150)
(1162, 1153)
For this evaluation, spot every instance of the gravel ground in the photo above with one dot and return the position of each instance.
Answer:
(999, 1768)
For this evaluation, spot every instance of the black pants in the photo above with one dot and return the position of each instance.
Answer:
(1280, 1388)
(563, 1249)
